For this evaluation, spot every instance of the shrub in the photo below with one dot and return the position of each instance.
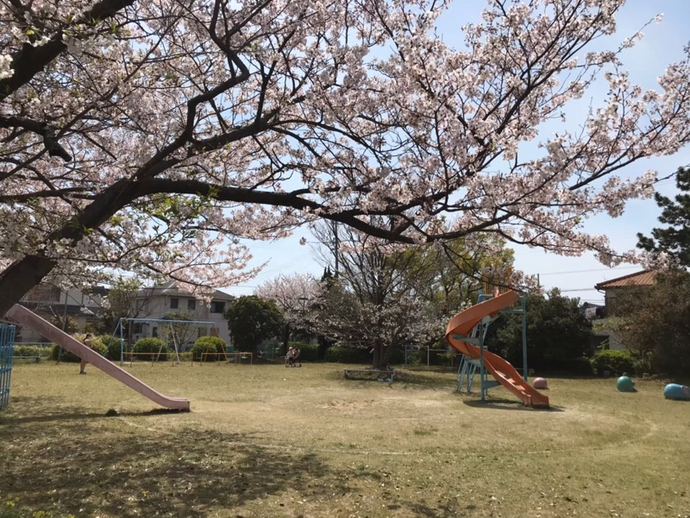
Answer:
(577, 366)
(112, 345)
(617, 362)
(57, 353)
(398, 356)
(347, 355)
(31, 350)
(209, 345)
(147, 349)
(644, 362)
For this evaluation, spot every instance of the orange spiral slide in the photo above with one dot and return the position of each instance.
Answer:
(461, 326)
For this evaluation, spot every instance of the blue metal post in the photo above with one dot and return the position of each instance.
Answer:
(6, 356)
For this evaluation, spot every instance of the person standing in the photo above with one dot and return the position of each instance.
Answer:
(88, 341)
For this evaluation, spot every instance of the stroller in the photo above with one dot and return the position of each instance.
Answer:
(292, 357)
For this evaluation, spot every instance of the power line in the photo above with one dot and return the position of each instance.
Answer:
(593, 270)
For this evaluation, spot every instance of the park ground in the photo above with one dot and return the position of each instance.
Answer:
(266, 441)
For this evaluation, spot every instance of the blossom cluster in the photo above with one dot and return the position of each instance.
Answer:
(190, 125)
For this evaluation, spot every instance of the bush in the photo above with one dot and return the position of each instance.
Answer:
(644, 362)
(398, 356)
(347, 355)
(57, 353)
(418, 356)
(147, 349)
(617, 362)
(577, 366)
(213, 346)
(31, 350)
(112, 345)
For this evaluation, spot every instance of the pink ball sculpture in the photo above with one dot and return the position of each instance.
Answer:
(540, 383)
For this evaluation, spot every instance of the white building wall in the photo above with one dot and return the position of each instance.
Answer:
(159, 306)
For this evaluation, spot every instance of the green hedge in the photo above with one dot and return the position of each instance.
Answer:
(309, 353)
(31, 350)
(347, 355)
(58, 353)
(616, 362)
(419, 357)
(398, 356)
(112, 345)
(209, 344)
(151, 346)
(577, 366)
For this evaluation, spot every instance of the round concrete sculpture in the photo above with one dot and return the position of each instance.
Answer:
(676, 391)
(625, 384)
(540, 383)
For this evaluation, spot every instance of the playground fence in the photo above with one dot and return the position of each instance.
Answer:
(6, 355)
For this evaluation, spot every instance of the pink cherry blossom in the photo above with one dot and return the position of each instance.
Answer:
(152, 136)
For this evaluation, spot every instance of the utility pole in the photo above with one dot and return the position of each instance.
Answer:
(336, 245)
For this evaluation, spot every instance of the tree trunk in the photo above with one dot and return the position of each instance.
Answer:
(380, 359)
(20, 277)
(324, 344)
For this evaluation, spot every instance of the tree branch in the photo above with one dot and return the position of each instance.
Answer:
(30, 60)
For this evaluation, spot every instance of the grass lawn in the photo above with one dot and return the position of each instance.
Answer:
(266, 441)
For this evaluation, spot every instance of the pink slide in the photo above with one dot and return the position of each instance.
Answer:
(31, 319)
(503, 371)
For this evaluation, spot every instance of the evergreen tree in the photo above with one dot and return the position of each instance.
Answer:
(252, 320)
(557, 333)
(674, 239)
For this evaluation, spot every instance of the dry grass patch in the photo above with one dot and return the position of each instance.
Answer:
(265, 441)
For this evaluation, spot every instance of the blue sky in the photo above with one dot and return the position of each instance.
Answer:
(662, 44)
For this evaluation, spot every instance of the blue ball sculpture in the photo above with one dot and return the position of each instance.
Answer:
(676, 391)
(625, 384)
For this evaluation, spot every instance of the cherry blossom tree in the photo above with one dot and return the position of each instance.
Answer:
(375, 302)
(387, 295)
(294, 296)
(150, 136)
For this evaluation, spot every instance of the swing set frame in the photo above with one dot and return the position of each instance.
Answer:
(120, 326)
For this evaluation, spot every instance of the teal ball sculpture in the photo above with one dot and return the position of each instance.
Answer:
(676, 391)
(625, 384)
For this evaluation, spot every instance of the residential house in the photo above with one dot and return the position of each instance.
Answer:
(162, 302)
(54, 304)
(612, 289)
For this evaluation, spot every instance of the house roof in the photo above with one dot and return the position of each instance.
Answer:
(170, 289)
(60, 309)
(643, 278)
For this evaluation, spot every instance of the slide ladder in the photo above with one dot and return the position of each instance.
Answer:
(458, 335)
(29, 318)
(468, 368)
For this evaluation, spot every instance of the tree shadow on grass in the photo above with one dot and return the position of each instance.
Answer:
(87, 465)
(65, 459)
(25, 412)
